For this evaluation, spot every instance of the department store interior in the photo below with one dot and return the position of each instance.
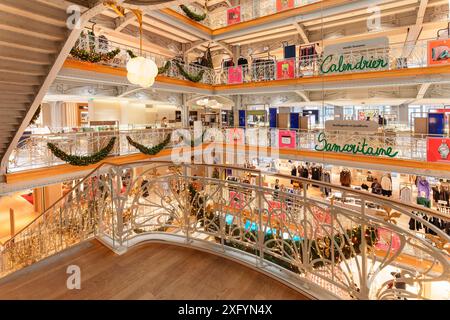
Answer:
(314, 138)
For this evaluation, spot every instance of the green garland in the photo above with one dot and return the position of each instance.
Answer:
(131, 54)
(92, 56)
(82, 160)
(161, 70)
(318, 254)
(191, 14)
(190, 77)
(35, 116)
(149, 151)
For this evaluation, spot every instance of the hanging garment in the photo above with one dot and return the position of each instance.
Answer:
(424, 202)
(423, 186)
(304, 173)
(435, 191)
(293, 173)
(345, 178)
(326, 178)
(386, 183)
(414, 224)
(242, 61)
(316, 172)
(406, 194)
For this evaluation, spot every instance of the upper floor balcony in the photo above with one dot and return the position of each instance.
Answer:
(268, 68)
(218, 14)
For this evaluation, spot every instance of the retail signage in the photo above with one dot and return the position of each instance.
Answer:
(438, 52)
(360, 148)
(351, 125)
(234, 15)
(286, 69)
(235, 75)
(438, 150)
(357, 56)
(236, 200)
(286, 139)
(285, 5)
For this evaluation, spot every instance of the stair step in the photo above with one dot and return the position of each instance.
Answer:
(25, 56)
(16, 98)
(23, 68)
(12, 78)
(32, 27)
(12, 89)
(29, 43)
(35, 10)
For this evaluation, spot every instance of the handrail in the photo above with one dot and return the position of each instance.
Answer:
(413, 207)
(160, 205)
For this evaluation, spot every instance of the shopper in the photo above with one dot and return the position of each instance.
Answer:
(276, 187)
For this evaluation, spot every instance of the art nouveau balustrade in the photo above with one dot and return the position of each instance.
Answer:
(267, 69)
(249, 10)
(347, 245)
(33, 151)
(381, 58)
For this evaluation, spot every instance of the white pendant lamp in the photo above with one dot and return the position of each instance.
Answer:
(141, 71)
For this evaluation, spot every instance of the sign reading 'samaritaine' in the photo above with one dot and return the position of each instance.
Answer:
(359, 148)
(358, 56)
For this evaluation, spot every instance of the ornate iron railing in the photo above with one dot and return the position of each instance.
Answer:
(33, 152)
(266, 69)
(249, 10)
(347, 245)
(102, 45)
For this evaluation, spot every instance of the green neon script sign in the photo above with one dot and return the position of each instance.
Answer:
(361, 148)
(363, 64)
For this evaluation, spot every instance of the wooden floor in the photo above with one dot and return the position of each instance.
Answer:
(151, 271)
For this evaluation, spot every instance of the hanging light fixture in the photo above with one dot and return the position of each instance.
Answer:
(141, 71)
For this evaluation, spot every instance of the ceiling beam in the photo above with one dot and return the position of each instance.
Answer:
(414, 31)
(423, 90)
(122, 22)
(303, 95)
(302, 32)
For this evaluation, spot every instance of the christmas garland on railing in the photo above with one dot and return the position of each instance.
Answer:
(35, 116)
(82, 160)
(92, 56)
(191, 14)
(149, 151)
(164, 68)
(161, 70)
(190, 77)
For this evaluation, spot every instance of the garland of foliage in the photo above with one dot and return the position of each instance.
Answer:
(207, 59)
(191, 14)
(92, 56)
(194, 142)
(319, 250)
(35, 116)
(190, 77)
(149, 151)
(82, 160)
(164, 68)
(161, 70)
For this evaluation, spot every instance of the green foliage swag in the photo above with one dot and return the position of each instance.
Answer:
(192, 15)
(319, 251)
(164, 68)
(161, 70)
(35, 116)
(188, 76)
(93, 56)
(149, 151)
(82, 160)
